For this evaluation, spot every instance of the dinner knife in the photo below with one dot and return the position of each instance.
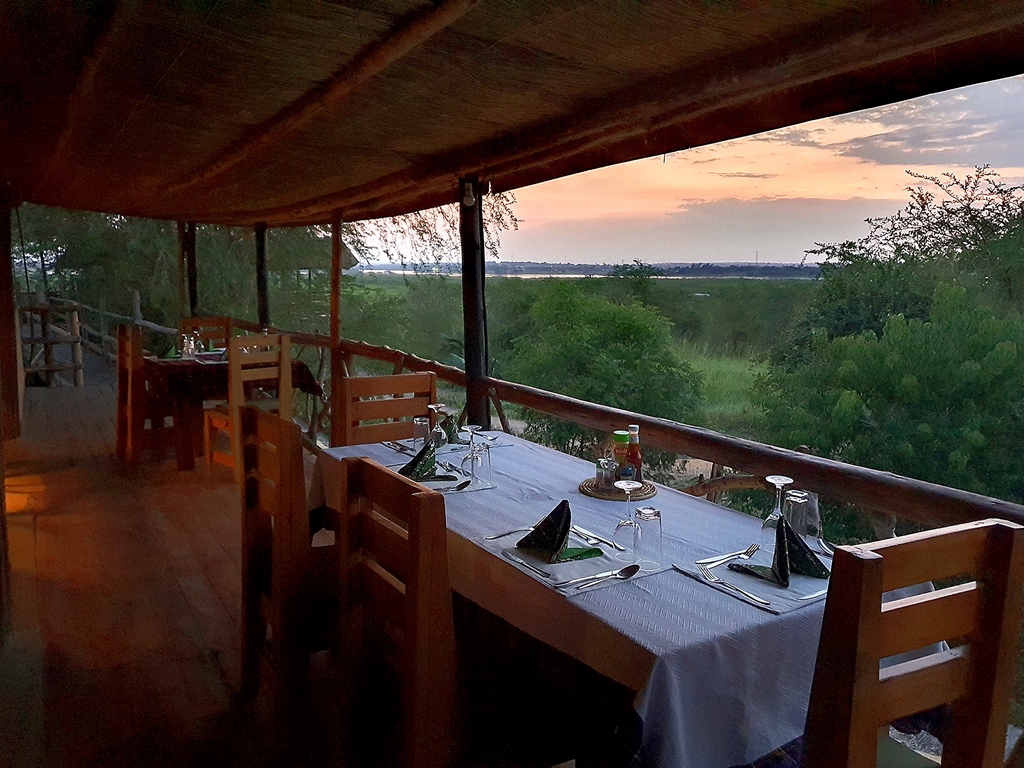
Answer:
(602, 539)
(516, 559)
(585, 578)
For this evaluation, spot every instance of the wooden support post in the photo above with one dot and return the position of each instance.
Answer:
(187, 274)
(192, 269)
(10, 412)
(182, 261)
(76, 347)
(474, 309)
(262, 299)
(338, 368)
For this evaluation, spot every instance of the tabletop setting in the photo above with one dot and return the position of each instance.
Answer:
(742, 640)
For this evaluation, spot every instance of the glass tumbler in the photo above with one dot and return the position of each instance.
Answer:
(420, 432)
(796, 510)
(649, 543)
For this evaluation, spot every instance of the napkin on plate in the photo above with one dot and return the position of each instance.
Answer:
(548, 539)
(792, 555)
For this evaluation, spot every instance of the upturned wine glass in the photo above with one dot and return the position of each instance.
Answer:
(437, 435)
(627, 531)
(771, 523)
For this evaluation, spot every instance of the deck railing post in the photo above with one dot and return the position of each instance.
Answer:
(187, 275)
(262, 299)
(474, 311)
(338, 368)
(10, 416)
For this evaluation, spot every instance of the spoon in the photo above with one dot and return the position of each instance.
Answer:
(622, 574)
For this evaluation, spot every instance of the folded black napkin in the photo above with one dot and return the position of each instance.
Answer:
(548, 539)
(423, 464)
(792, 555)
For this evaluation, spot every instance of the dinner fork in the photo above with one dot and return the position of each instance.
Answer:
(717, 560)
(707, 574)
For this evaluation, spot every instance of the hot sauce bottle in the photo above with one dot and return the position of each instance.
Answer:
(634, 455)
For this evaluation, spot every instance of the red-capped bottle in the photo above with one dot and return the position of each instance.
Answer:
(634, 455)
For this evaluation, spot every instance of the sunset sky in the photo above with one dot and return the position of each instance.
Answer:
(775, 194)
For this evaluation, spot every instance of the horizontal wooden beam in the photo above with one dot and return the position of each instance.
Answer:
(370, 62)
(902, 496)
(905, 497)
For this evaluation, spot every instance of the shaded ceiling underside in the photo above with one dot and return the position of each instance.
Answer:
(286, 111)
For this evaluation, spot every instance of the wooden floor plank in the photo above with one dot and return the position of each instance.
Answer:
(126, 602)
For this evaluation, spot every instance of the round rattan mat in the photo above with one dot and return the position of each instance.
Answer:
(646, 491)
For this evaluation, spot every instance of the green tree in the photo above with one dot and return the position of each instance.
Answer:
(940, 399)
(592, 349)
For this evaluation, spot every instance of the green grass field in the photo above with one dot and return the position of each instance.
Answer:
(727, 385)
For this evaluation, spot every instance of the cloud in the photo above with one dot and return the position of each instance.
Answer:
(745, 175)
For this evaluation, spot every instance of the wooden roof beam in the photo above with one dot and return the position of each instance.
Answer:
(369, 63)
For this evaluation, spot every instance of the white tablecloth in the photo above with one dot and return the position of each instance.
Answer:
(731, 682)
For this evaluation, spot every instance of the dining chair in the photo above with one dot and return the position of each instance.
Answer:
(286, 593)
(395, 599)
(259, 359)
(369, 409)
(213, 331)
(978, 613)
(140, 419)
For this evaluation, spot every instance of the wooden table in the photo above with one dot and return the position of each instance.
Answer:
(180, 386)
(676, 640)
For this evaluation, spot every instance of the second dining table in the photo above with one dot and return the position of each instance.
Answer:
(719, 680)
(180, 385)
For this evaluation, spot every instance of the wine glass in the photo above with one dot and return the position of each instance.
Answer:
(437, 435)
(771, 523)
(627, 531)
(474, 456)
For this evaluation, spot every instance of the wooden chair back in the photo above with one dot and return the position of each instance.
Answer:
(369, 409)
(255, 358)
(140, 421)
(277, 556)
(393, 567)
(851, 697)
(213, 331)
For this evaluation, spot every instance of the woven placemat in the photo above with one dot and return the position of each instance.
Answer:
(646, 491)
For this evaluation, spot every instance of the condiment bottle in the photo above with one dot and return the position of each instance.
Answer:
(620, 447)
(634, 455)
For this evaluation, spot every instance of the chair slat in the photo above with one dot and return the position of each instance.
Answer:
(260, 358)
(392, 408)
(922, 684)
(931, 555)
(919, 621)
(400, 385)
(388, 544)
(261, 373)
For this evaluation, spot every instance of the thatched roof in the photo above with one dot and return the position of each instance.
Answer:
(286, 110)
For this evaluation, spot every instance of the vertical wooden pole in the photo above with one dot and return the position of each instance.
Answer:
(10, 416)
(182, 262)
(338, 370)
(190, 265)
(474, 311)
(262, 299)
(187, 275)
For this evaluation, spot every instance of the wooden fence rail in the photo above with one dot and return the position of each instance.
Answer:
(904, 497)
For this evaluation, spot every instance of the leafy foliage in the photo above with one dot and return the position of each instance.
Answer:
(940, 399)
(584, 346)
(909, 358)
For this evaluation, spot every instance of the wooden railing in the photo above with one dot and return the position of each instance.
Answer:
(906, 498)
(45, 332)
